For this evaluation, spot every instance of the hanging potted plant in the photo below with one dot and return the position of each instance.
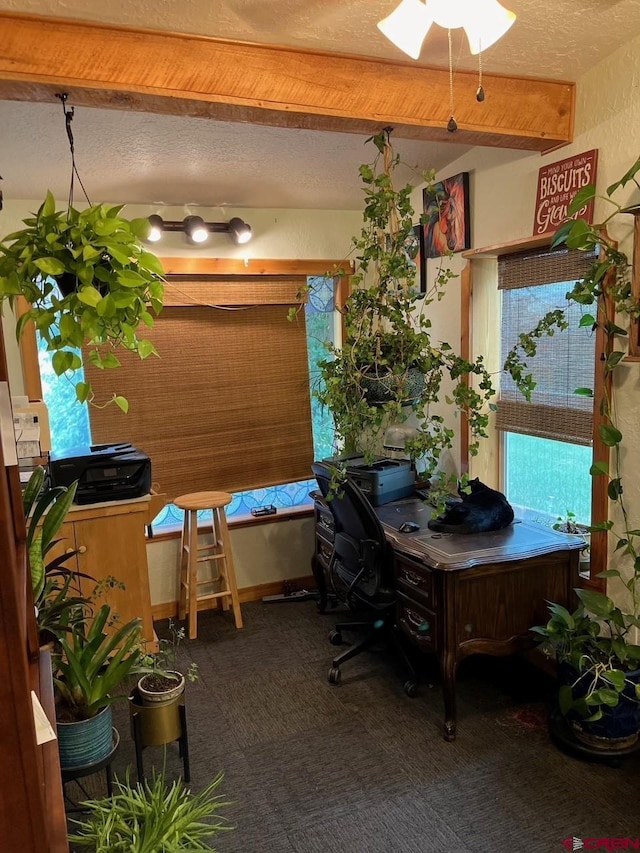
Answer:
(116, 285)
(595, 646)
(87, 278)
(388, 368)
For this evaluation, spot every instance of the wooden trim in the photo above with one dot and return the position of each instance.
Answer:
(29, 354)
(520, 245)
(599, 545)
(251, 266)
(341, 294)
(103, 65)
(53, 793)
(169, 609)
(634, 325)
(466, 293)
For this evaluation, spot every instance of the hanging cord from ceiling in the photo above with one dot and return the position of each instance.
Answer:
(68, 118)
(452, 125)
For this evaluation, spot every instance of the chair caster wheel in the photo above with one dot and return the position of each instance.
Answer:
(411, 689)
(335, 638)
(334, 675)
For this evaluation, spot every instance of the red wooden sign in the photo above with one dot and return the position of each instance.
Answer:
(557, 185)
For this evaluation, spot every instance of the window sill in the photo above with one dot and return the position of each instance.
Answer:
(237, 521)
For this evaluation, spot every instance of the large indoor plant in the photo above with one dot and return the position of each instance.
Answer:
(108, 284)
(595, 646)
(388, 369)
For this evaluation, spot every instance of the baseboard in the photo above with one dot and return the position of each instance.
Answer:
(169, 609)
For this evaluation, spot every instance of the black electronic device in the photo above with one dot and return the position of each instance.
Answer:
(409, 527)
(105, 472)
(382, 480)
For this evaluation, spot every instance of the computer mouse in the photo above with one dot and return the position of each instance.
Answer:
(408, 527)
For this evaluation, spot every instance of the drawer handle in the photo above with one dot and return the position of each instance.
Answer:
(70, 551)
(418, 622)
(324, 522)
(412, 577)
(82, 549)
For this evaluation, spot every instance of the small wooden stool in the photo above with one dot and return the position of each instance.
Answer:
(219, 551)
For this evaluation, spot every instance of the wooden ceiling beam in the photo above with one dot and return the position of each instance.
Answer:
(177, 74)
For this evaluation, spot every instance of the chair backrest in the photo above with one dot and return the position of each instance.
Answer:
(360, 546)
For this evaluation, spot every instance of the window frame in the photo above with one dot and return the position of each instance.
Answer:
(600, 452)
(340, 269)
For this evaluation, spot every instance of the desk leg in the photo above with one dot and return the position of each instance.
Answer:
(448, 667)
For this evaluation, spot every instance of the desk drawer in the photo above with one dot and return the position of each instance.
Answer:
(324, 524)
(323, 551)
(414, 580)
(417, 622)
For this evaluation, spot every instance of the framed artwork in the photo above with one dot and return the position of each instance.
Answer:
(414, 249)
(447, 225)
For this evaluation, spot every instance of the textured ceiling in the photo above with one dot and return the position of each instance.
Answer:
(134, 157)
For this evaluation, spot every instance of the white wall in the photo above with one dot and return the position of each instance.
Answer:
(264, 552)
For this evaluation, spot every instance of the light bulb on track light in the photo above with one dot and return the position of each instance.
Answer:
(156, 223)
(196, 229)
(239, 231)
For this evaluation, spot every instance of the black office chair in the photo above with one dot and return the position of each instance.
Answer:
(361, 573)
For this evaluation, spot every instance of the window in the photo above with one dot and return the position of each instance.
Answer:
(547, 443)
(70, 430)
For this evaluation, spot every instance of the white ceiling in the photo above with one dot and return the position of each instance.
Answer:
(143, 158)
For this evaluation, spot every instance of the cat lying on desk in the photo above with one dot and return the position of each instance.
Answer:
(481, 510)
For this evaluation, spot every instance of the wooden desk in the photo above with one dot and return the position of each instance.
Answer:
(459, 595)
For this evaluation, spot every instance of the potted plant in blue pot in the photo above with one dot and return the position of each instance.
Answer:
(90, 663)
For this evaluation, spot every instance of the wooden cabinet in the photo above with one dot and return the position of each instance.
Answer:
(110, 541)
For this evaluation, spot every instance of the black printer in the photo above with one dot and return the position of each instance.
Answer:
(105, 472)
(382, 480)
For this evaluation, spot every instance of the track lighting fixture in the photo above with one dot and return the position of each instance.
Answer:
(197, 230)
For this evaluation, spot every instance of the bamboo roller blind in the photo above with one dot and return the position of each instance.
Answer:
(535, 282)
(227, 404)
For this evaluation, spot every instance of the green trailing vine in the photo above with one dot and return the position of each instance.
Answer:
(388, 368)
(598, 639)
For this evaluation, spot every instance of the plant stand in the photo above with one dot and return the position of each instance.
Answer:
(565, 740)
(157, 726)
(74, 774)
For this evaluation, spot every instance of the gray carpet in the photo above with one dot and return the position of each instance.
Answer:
(313, 768)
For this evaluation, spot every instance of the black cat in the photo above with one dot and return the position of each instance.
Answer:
(482, 510)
